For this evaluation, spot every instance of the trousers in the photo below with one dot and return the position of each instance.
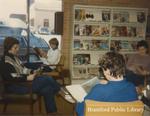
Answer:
(42, 85)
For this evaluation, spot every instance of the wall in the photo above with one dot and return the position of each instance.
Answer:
(68, 8)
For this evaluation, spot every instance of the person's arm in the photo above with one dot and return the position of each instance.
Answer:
(93, 95)
(142, 71)
(43, 54)
(9, 74)
(131, 64)
(44, 60)
(96, 93)
(9, 70)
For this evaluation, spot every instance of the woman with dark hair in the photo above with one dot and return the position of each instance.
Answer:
(13, 70)
(116, 88)
(138, 65)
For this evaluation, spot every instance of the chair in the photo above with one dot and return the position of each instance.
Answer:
(59, 72)
(95, 108)
(12, 98)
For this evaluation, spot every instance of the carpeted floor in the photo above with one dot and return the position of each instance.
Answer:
(64, 109)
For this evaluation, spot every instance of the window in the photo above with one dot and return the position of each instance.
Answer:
(32, 22)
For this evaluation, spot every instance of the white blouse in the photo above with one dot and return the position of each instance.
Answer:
(53, 57)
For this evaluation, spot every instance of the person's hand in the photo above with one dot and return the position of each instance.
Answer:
(132, 67)
(31, 77)
(144, 73)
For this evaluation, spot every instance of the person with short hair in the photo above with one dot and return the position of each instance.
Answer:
(116, 88)
(51, 57)
(13, 70)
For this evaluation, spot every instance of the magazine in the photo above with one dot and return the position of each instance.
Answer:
(106, 16)
(91, 45)
(80, 59)
(123, 45)
(79, 91)
(121, 17)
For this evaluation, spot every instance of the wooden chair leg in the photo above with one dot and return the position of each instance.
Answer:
(5, 107)
(39, 101)
(31, 108)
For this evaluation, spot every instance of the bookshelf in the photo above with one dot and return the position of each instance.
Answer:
(99, 29)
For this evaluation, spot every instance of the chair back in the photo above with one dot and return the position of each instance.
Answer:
(58, 73)
(61, 62)
(95, 108)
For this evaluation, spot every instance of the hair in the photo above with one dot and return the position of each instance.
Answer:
(54, 41)
(142, 43)
(8, 43)
(113, 61)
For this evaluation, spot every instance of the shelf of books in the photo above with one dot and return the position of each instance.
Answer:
(97, 30)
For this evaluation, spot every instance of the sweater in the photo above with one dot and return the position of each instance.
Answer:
(113, 91)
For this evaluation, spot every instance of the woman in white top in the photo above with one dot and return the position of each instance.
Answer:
(53, 55)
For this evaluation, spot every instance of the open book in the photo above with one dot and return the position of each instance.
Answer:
(79, 91)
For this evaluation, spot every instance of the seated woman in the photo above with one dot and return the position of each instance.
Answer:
(52, 57)
(116, 89)
(138, 65)
(13, 70)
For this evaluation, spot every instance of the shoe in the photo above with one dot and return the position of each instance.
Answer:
(66, 97)
(64, 90)
(69, 99)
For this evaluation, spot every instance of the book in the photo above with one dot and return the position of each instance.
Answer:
(79, 91)
(80, 14)
(123, 45)
(141, 17)
(80, 59)
(105, 16)
(121, 17)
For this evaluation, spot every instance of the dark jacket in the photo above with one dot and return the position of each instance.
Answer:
(8, 68)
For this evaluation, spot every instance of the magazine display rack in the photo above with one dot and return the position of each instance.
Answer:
(97, 30)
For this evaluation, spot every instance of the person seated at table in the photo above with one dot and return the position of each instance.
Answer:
(51, 57)
(13, 70)
(138, 65)
(116, 88)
